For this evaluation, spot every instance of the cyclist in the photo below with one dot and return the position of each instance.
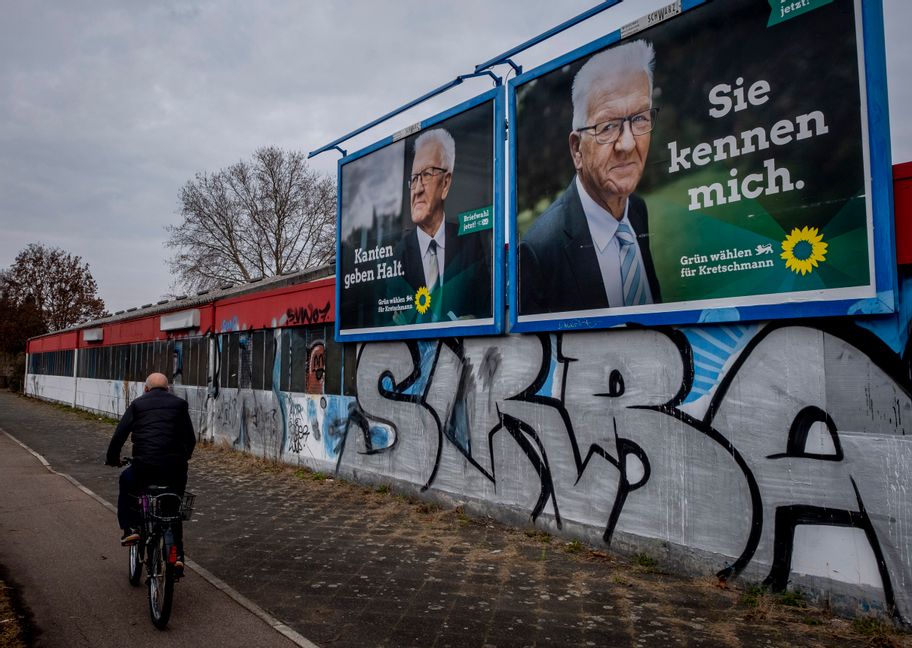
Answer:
(163, 441)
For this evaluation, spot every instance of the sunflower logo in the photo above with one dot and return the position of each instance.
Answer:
(422, 300)
(803, 249)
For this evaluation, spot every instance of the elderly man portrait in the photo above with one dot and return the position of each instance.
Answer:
(590, 248)
(453, 268)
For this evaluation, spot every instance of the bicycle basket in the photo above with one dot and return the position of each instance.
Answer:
(169, 507)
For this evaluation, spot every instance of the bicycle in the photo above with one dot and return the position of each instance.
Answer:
(156, 548)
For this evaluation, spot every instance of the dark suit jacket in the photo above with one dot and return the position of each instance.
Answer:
(558, 267)
(466, 289)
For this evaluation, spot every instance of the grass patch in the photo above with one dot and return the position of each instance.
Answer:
(645, 562)
(12, 627)
(868, 626)
(617, 579)
(84, 414)
(573, 547)
(755, 596)
(758, 596)
(758, 599)
(313, 475)
(791, 598)
(542, 536)
(383, 489)
(878, 632)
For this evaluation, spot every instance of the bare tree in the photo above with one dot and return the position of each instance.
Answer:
(256, 218)
(55, 283)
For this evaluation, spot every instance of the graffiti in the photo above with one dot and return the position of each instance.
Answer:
(249, 420)
(230, 325)
(276, 382)
(801, 438)
(226, 413)
(316, 367)
(310, 314)
(779, 453)
(177, 363)
(298, 430)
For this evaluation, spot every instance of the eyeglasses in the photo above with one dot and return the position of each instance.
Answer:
(608, 131)
(425, 176)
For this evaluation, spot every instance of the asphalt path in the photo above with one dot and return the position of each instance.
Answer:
(73, 578)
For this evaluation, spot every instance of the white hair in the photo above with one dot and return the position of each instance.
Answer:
(638, 56)
(442, 138)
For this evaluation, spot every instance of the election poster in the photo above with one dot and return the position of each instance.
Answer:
(418, 228)
(706, 165)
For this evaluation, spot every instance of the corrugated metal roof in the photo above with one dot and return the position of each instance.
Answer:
(205, 297)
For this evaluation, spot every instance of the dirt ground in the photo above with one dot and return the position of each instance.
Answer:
(13, 622)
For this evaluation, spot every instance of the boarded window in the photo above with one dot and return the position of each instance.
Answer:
(245, 360)
(349, 367)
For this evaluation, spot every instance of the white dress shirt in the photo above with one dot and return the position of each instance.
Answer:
(424, 242)
(602, 227)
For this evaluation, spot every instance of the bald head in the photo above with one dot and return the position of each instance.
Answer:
(156, 381)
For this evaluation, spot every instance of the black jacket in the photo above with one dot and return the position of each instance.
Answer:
(163, 435)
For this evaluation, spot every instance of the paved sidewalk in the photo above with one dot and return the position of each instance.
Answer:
(344, 565)
(74, 579)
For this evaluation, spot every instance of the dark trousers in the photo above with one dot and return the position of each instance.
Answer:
(133, 480)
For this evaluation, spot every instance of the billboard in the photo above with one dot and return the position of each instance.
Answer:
(420, 238)
(726, 162)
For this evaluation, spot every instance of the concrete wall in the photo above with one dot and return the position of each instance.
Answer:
(777, 452)
(300, 429)
(106, 396)
(54, 388)
(774, 451)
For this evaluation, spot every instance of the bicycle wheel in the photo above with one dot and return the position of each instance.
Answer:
(136, 560)
(161, 585)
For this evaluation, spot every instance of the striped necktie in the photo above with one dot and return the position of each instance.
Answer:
(431, 269)
(631, 270)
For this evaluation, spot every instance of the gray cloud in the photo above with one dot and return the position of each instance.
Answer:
(108, 108)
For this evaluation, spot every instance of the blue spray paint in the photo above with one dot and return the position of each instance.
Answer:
(335, 419)
(713, 346)
(277, 384)
(892, 329)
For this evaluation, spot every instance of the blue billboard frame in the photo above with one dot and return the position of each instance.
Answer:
(876, 112)
(440, 329)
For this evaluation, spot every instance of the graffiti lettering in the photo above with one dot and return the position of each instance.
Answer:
(310, 314)
(597, 428)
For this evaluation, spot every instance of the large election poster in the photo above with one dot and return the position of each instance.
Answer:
(418, 230)
(709, 166)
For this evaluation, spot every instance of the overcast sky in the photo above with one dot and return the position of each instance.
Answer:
(108, 107)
